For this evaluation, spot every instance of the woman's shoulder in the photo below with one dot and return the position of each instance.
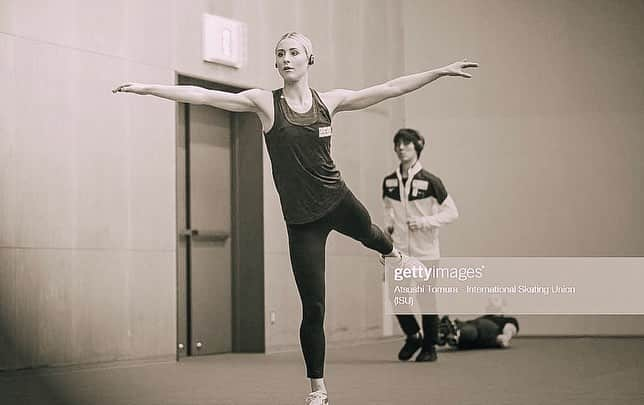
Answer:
(330, 98)
(260, 96)
(260, 92)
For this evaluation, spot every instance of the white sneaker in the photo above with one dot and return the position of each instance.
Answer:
(381, 258)
(403, 261)
(409, 262)
(503, 341)
(317, 398)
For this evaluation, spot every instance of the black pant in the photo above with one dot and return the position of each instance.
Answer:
(307, 244)
(478, 333)
(409, 325)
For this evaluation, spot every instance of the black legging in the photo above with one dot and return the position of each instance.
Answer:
(307, 244)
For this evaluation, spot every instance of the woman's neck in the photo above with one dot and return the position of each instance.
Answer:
(298, 92)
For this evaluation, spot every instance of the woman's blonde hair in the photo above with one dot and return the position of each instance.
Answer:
(302, 39)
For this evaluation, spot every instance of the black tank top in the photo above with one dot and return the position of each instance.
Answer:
(299, 146)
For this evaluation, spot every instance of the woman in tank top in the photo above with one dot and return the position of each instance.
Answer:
(296, 122)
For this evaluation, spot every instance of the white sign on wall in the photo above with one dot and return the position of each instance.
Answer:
(223, 40)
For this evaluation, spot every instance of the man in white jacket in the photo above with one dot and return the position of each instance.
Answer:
(416, 205)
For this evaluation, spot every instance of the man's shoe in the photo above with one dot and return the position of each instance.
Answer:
(411, 346)
(447, 332)
(317, 398)
(427, 355)
(454, 336)
(443, 330)
(453, 339)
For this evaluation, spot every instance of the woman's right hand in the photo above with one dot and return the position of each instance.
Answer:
(135, 88)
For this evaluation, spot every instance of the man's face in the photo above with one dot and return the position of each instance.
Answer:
(406, 152)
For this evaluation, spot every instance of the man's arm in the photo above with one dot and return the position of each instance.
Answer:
(447, 213)
(349, 100)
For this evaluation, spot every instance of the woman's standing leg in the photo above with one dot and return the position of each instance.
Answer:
(307, 244)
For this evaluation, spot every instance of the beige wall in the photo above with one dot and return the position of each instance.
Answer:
(87, 184)
(87, 193)
(541, 150)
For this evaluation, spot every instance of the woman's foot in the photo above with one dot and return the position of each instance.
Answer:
(317, 398)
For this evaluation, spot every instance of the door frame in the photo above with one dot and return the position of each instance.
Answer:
(247, 228)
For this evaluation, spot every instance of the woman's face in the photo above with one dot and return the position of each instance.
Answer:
(291, 60)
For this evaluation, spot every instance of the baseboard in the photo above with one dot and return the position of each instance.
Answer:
(80, 367)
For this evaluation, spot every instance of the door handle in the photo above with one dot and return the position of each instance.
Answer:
(208, 236)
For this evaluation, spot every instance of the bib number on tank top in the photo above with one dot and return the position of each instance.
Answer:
(324, 132)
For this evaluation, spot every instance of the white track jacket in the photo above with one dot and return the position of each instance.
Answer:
(424, 197)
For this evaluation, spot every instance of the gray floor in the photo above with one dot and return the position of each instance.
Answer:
(534, 371)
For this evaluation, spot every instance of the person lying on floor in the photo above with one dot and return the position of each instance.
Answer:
(486, 331)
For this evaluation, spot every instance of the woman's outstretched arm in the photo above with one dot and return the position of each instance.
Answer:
(253, 100)
(349, 100)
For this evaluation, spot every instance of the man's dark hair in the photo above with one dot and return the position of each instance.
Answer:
(408, 135)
